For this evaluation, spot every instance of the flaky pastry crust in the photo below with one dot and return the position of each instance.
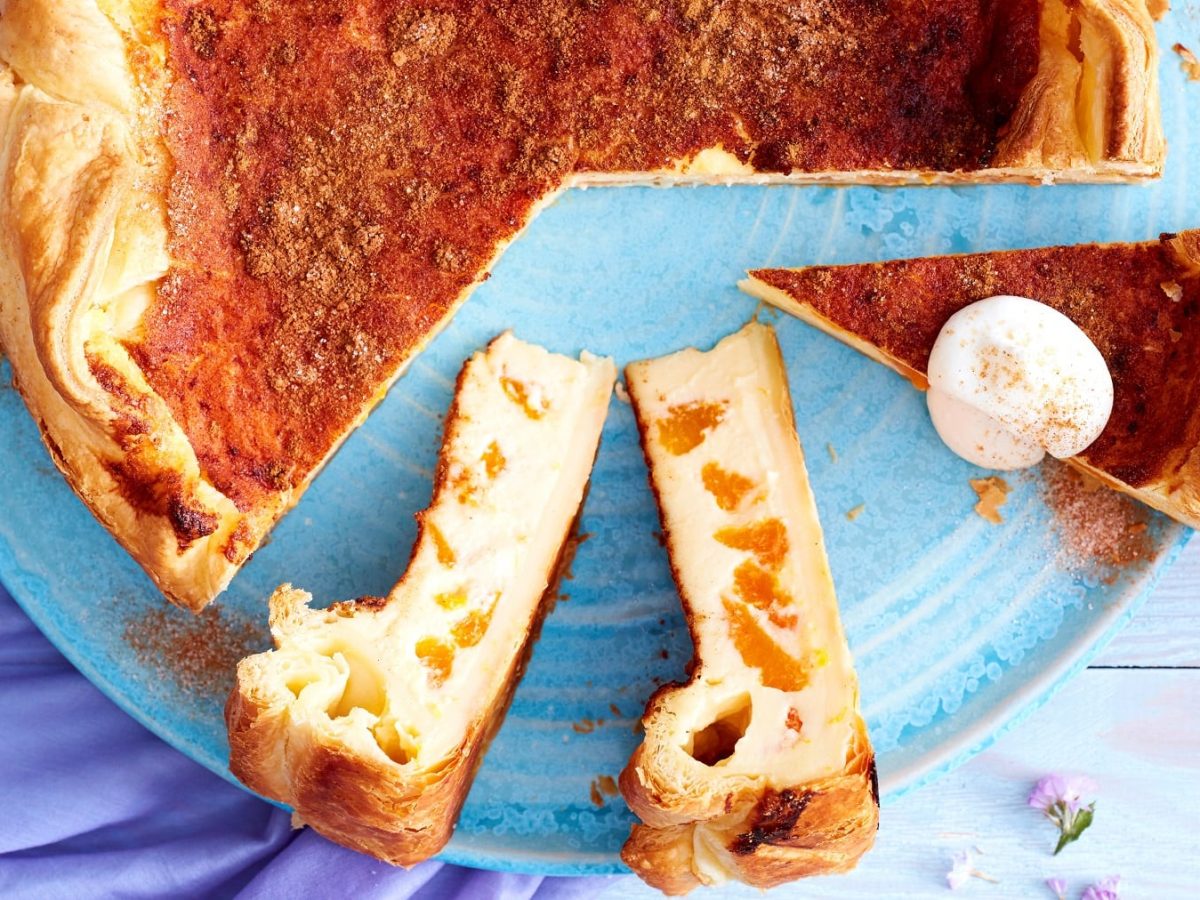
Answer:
(85, 92)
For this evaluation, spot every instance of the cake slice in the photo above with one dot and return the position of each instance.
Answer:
(370, 717)
(759, 768)
(1139, 303)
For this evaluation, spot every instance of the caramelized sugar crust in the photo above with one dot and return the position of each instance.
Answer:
(1139, 303)
(345, 169)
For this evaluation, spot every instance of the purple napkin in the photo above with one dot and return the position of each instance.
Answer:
(92, 804)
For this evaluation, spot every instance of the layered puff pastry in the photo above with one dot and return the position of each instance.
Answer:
(760, 768)
(229, 225)
(369, 718)
(1139, 303)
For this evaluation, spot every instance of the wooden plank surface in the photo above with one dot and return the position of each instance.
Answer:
(1166, 630)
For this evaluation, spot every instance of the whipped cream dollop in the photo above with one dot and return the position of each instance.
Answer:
(1011, 379)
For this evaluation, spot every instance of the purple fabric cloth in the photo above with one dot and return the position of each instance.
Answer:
(93, 805)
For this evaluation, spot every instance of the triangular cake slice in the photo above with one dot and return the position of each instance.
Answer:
(370, 717)
(229, 226)
(759, 768)
(1139, 303)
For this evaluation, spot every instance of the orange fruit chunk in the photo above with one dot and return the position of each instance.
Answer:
(437, 656)
(493, 460)
(779, 670)
(519, 394)
(470, 630)
(762, 589)
(727, 488)
(767, 540)
(687, 425)
(445, 554)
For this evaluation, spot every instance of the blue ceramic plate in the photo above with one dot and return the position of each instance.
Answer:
(959, 627)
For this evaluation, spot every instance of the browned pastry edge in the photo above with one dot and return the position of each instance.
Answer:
(773, 836)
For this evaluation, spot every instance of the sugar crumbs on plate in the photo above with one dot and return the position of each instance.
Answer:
(993, 494)
(200, 652)
(1100, 531)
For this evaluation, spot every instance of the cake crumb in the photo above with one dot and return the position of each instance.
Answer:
(622, 393)
(603, 786)
(1188, 61)
(833, 454)
(616, 710)
(587, 726)
(856, 512)
(1158, 8)
(993, 494)
(1172, 289)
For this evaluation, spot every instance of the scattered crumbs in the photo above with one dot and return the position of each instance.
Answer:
(1172, 289)
(664, 654)
(1158, 8)
(833, 457)
(603, 786)
(856, 512)
(1188, 61)
(200, 652)
(1100, 531)
(622, 393)
(658, 536)
(616, 710)
(587, 726)
(297, 822)
(993, 494)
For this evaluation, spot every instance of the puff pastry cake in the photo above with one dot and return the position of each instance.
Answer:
(1138, 303)
(229, 225)
(370, 717)
(759, 768)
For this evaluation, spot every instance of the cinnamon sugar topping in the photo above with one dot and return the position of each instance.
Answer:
(1100, 531)
(200, 653)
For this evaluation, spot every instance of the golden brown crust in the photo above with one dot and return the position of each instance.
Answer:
(1139, 303)
(196, 228)
(1093, 102)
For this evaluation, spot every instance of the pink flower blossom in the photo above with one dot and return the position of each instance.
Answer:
(1067, 790)
(1058, 887)
(961, 869)
(1105, 889)
(1061, 798)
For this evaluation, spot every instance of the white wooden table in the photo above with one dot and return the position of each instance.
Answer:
(1131, 722)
